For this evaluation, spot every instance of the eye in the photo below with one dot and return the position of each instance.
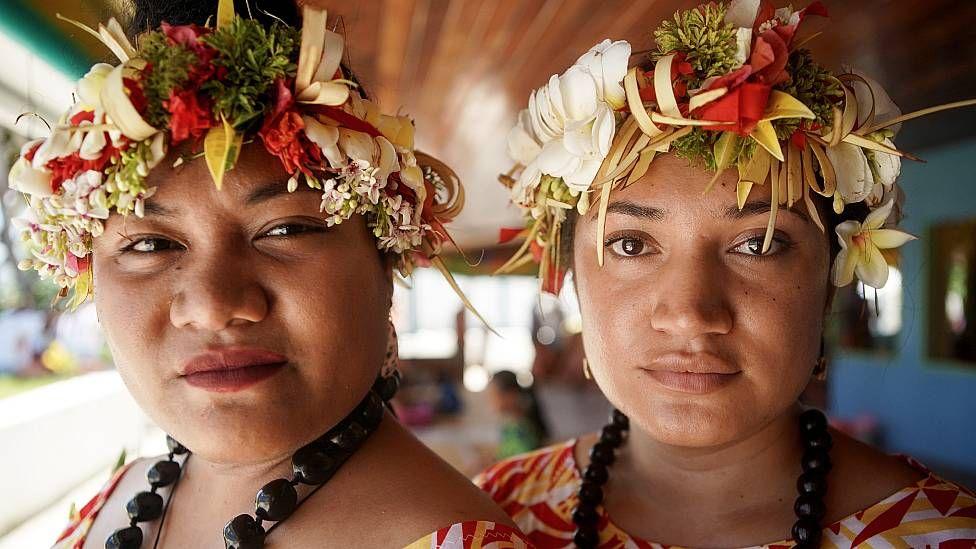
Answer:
(629, 246)
(292, 229)
(753, 245)
(150, 245)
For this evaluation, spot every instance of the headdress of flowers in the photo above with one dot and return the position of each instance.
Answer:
(729, 86)
(222, 85)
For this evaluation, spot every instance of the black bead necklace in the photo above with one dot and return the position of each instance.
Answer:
(811, 486)
(313, 464)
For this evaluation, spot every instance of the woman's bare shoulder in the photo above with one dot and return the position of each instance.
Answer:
(863, 475)
(111, 513)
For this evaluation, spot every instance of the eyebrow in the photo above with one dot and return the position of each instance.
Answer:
(750, 209)
(263, 193)
(273, 189)
(652, 213)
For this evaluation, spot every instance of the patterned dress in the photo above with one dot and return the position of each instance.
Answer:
(467, 535)
(539, 491)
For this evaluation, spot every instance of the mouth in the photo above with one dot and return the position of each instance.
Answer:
(691, 382)
(228, 370)
(692, 373)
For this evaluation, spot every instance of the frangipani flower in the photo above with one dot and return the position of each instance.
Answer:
(570, 124)
(861, 245)
(607, 63)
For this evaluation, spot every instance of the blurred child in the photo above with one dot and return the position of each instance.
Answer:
(523, 428)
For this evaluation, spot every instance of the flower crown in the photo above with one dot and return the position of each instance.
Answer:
(222, 85)
(728, 86)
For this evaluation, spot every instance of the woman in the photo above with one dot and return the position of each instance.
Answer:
(243, 319)
(703, 313)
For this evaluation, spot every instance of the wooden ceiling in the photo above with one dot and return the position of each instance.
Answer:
(464, 68)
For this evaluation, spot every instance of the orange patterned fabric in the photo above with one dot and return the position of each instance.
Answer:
(467, 535)
(538, 490)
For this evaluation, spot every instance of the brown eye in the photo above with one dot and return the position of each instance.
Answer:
(629, 247)
(753, 246)
(150, 245)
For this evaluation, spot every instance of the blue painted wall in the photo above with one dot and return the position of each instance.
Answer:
(927, 408)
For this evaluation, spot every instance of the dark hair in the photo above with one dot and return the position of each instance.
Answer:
(507, 381)
(149, 14)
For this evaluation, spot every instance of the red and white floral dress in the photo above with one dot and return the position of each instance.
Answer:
(539, 491)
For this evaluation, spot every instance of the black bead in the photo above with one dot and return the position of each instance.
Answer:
(175, 447)
(125, 538)
(145, 506)
(590, 493)
(602, 454)
(585, 515)
(276, 500)
(387, 387)
(163, 473)
(586, 537)
(619, 419)
(243, 532)
(809, 507)
(816, 461)
(819, 441)
(813, 421)
(612, 436)
(806, 532)
(351, 436)
(811, 484)
(371, 411)
(596, 473)
(312, 465)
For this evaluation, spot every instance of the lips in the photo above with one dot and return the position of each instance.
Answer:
(693, 373)
(231, 369)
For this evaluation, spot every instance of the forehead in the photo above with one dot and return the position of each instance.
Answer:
(191, 182)
(677, 187)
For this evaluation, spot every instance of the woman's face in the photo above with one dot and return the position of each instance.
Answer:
(688, 330)
(247, 276)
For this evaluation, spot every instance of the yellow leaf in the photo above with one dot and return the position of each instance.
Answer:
(725, 149)
(784, 105)
(221, 148)
(705, 98)
(601, 221)
(765, 135)
(636, 105)
(742, 190)
(756, 169)
(225, 13)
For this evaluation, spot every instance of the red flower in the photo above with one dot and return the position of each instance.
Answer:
(136, 96)
(188, 117)
(745, 106)
(68, 167)
(285, 138)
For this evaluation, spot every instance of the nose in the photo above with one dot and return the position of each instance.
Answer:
(691, 299)
(218, 291)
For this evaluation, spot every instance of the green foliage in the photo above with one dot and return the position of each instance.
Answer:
(255, 58)
(704, 36)
(170, 67)
(814, 86)
(698, 147)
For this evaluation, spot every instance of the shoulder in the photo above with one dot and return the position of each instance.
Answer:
(469, 535)
(530, 477)
(897, 498)
(89, 519)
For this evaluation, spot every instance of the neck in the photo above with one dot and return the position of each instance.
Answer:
(747, 473)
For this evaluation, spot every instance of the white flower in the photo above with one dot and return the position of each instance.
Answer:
(855, 180)
(24, 178)
(569, 126)
(607, 63)
(887, 167)
(90, 86)
(861, 245)
(327, 138)
(742, 13)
